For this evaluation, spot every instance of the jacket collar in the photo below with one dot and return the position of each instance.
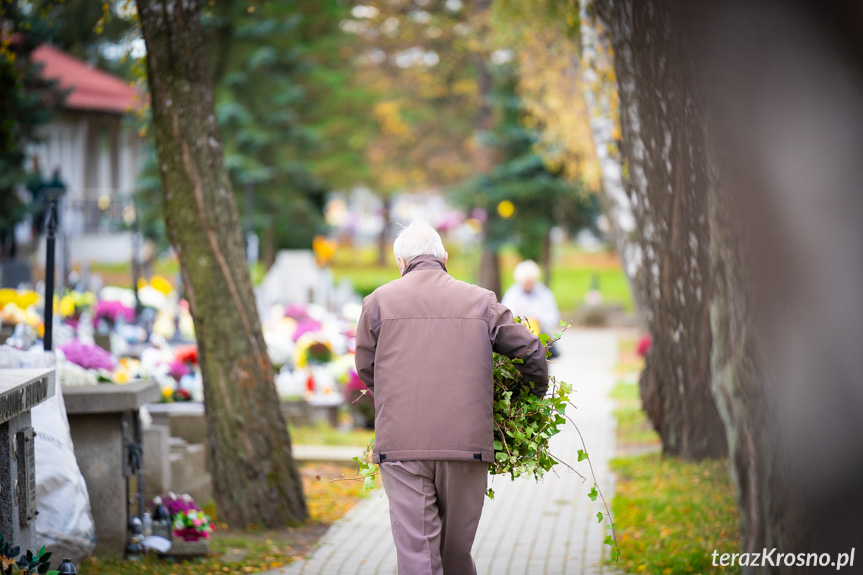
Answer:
(424, 263)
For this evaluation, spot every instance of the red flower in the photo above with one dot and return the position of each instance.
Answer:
(187, 353)
(643, 345)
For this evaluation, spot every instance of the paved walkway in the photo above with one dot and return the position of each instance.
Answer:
(547, 528)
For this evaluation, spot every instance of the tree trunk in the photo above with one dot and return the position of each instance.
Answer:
(484, 155)
(546, 258)
(786, 237)
(384, 245)
(489, 270)
(784, 212)
(254, 476)
(665, 177)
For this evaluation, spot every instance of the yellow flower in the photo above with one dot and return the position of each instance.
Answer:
(324, 249)
(121, 375)
(161, 284)
(167, 392)
(506, 209)
(22, 299)
(67, 306)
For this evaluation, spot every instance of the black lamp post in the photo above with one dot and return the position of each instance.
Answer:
(51, 237)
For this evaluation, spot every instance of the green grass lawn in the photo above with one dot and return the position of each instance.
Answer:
(325, 434)
(670, 515)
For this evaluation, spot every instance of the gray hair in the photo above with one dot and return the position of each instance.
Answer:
(526, 271)
(418, 239)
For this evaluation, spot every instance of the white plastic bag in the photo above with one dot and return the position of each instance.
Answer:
(64, 523)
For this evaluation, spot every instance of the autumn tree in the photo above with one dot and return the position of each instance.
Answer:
(254, 476)
(524, 194)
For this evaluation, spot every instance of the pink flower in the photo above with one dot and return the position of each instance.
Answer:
(179, 369)
(112, 310)
(197, 522)
(305, 326)
(87, 356)
(643, 345)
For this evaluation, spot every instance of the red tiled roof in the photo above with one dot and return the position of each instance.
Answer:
(93, 89)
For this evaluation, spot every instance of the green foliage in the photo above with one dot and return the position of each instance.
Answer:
(28, 564)
(367, 470)
(26, 102)
(541, 195)
(633, 427)
(524, 423)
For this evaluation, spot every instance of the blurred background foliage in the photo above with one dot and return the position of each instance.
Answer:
(475, 98)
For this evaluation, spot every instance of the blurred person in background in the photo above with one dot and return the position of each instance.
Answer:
(531, 300)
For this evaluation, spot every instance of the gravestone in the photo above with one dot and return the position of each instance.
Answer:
(293, 278)
(106, 431)
(20, 391)
(14, 273)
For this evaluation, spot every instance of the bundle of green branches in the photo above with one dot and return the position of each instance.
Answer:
(523, 422)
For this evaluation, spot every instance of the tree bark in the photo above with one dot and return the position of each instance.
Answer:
(254, 476)
(665, 179)
(384, 246)
(783, 210)
(489, 270)
(785, 218)
(546, 258)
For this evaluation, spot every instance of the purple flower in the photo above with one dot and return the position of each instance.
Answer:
(296, 311)
(176, 505)
(178, 369)
(113, 310)
(305, 326)
(87, 356)
(354, 382)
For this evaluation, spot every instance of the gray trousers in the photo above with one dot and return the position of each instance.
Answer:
(435, 508)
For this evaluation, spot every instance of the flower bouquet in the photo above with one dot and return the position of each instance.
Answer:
(111, 312)
(312, 351)
(187, 519)
(87, 355)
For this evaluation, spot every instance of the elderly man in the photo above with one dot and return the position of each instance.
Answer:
(529, 298)
(424, 349)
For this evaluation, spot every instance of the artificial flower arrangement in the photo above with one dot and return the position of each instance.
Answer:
(111, 312)
(171, 394)
(187, 519)
(82, 363)
(73, 304)
(88, 355)
(22, 299)
(312, 351)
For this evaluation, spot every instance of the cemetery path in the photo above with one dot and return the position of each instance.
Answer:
(547, 528)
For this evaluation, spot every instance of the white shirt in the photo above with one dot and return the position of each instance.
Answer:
(539, 304)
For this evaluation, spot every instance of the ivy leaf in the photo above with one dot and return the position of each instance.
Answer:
(608, 540)
(593, 493)
(599, 517)
(582, 455)
(489, 493)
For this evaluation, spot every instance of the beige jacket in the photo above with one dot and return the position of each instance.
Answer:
(424, 349)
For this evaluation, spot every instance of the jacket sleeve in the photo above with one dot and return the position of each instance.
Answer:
(515, 341)
(367, 342)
